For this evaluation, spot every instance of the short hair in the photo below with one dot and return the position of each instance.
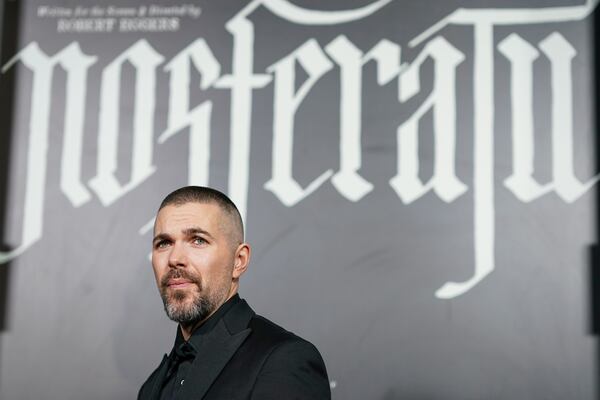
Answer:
(206, 195)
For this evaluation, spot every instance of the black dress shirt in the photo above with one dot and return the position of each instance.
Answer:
(183, 354)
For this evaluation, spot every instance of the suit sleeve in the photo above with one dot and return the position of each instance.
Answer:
(294, 370)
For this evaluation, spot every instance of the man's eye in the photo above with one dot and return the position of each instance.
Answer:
(161, 244)
(198, 240)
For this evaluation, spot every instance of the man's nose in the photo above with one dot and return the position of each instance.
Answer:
(177, 256)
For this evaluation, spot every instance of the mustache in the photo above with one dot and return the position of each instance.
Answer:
(180, 274)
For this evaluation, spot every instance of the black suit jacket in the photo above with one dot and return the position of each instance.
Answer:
(246, 356)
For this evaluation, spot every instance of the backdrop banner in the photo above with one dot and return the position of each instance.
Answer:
(417, 181)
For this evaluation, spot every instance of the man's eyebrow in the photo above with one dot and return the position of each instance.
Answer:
(161, 236)
(187, 232)
(195, 231)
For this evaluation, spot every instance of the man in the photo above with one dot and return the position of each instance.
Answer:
(222, 350)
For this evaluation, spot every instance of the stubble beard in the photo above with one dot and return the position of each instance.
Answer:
(187, 306)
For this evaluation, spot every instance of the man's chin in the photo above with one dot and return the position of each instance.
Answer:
(179, 294)
(186, 312)
(181, 298)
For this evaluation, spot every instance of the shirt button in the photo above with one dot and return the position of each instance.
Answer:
(181, 383)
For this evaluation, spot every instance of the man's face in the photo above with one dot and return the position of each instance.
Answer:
(193, 260)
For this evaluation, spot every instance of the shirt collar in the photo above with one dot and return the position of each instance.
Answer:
(207, 325)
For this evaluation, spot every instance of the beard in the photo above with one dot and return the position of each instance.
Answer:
(186, 306)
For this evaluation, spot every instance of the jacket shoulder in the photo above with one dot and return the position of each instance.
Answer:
(290, 367)
(271, 364)
(269, 330)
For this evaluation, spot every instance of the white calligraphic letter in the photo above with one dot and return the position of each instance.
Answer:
(351, 61)
(521, 55)
(442, 101)
(242, 82)
(287, 100)
(75, 64)
(145, 60)
(561, 54)
(564, 182)
(199, 54)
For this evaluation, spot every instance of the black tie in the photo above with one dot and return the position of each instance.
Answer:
(182, 353)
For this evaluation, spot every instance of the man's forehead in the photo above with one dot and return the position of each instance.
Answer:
(189, 213)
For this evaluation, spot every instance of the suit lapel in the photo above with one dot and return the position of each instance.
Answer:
(216, 349)
(159, 377)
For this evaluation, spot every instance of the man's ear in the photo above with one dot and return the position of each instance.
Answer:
(241, 260)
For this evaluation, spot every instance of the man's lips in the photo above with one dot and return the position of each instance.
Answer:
(179, 283)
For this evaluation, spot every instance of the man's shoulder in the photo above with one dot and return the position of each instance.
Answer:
(289, 366)
(263, 329)
(269, 346)
(276, 342)
(264, 326)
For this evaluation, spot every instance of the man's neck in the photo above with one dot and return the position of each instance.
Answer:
(187, 330)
